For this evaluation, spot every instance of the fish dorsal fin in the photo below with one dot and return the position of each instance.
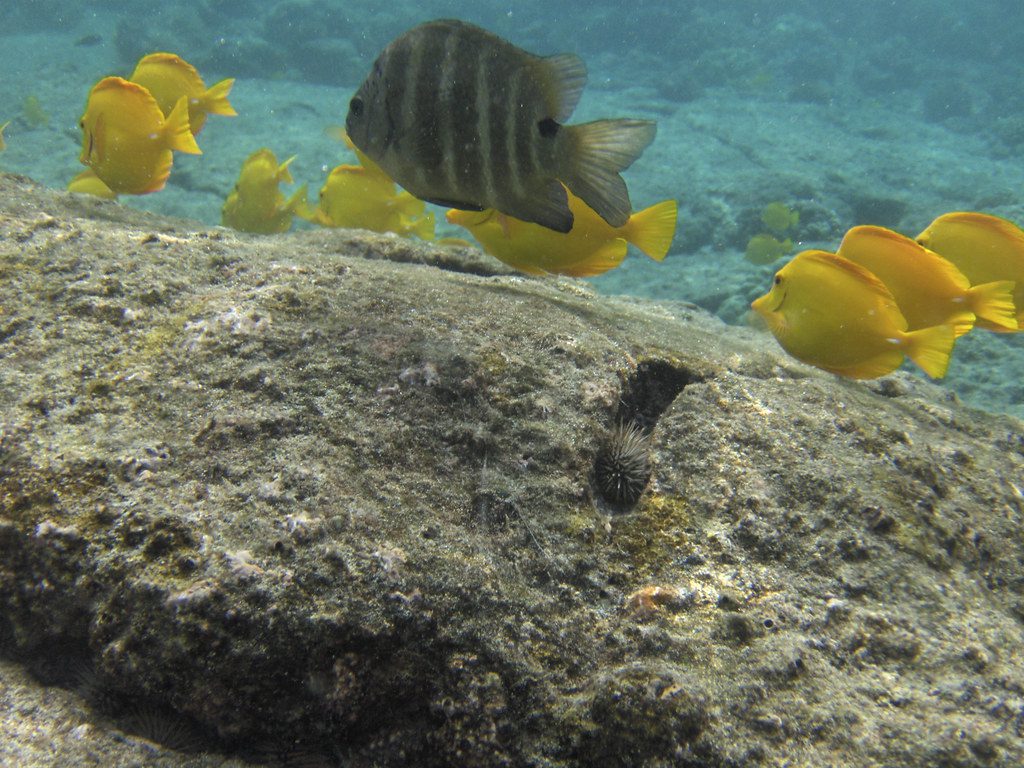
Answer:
(985, 221)
(568, 76)
(907, 248)
(187, 72)
(853, 270)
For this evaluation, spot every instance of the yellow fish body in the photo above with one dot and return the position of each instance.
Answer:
(363, 197)
(256, 203)
(590, 248)
(127, 141)
(169, 77)
(764, 249)
(779, 217)
(985, 248)
(929, 290)
(835, 315)
(3, 144)
(88, 183)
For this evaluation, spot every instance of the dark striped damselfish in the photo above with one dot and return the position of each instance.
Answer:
(462, 118)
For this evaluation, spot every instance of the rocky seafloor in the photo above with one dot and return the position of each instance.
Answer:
(334, 498)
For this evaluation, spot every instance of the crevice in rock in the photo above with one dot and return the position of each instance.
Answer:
(650, 390)
(622, 465)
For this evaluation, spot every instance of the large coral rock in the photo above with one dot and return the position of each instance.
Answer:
(332, 495)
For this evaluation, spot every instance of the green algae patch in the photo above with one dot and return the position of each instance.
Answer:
(653, 536)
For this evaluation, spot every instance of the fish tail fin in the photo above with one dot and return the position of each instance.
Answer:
(652, 229)
(930, 348)
(962, 323)
(595, 155)
(215, 100)
(178, 131)
(303, 209)
(993, 302)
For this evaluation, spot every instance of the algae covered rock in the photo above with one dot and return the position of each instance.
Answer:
(330, 498)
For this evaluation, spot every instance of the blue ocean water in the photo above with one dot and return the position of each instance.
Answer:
(876, 112)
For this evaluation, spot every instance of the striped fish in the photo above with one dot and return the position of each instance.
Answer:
(464, 119)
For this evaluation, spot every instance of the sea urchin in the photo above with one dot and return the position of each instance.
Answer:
(623, 464)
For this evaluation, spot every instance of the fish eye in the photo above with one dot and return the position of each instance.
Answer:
(777, 280)
(547, 127)
(356, 107)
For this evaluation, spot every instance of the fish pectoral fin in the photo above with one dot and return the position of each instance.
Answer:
(595, 153)
(546, 204)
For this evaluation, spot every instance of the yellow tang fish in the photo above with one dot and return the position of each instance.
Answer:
(779, 217)
(169, 77)
(127, 141)
(590, 248)
(834, 314)
(3, 144)
(764, 249)
(928, 289)
(256, 204)
(984, 248)
(357, 197)
(88, 183)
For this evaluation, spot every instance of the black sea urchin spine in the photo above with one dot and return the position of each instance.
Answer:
(623, 465)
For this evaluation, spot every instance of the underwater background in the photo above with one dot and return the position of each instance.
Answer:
(878, 112)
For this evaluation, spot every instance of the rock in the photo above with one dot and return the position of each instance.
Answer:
(331, 494)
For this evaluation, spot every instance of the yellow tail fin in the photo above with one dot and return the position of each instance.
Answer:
(962, 323)
(215, 100)
(930, 348)
(652, 229)
(177, 129)
(993, 303)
